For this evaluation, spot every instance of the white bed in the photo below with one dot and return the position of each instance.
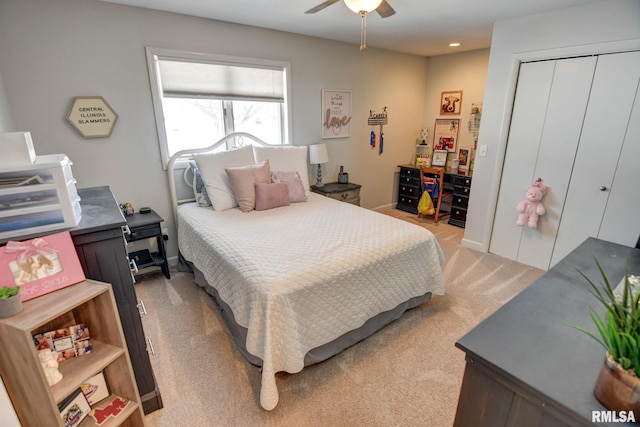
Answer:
(300, 277)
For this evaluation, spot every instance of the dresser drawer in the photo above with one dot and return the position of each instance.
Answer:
(346, 196)
(462, 180)
(143, 232)
(410, 176)
(460, 190)
(410, 172)
(410, 180)
(408, 201)
(458, 214)
(409, 190)
(460, 201)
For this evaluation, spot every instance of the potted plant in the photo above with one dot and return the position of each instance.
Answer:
(618, 384)
(10, 301)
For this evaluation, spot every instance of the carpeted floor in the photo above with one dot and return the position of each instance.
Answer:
(407, 374)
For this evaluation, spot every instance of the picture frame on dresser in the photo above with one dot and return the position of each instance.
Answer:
(41, 265)
(439, 158)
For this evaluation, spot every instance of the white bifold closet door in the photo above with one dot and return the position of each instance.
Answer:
(574, 125)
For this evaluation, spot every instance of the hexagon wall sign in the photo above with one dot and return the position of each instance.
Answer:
(92, 117)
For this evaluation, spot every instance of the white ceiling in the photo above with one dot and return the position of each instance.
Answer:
(421, 27)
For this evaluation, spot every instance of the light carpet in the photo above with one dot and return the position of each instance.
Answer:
(407, 374)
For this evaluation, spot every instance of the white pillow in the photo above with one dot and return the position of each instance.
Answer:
(212, 167)
(285, 159)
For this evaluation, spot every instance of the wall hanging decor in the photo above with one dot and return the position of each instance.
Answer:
(451, 102)
(92, 116)
(336, 111)
(474, 121)
(445, 134)
(377, 119)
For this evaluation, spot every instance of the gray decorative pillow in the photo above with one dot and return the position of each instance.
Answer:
(199, 190)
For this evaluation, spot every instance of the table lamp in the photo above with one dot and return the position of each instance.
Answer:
(317, 156)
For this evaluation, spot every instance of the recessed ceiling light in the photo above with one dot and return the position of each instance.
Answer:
(455, 44)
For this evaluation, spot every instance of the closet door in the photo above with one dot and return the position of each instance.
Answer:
(601, 159)
(549, 108)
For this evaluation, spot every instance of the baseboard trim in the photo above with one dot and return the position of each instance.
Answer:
(470, 244)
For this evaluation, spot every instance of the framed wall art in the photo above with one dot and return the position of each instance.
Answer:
(336, 114)
(92, 116)
(451, 102)
(463, 156)
(445, 134)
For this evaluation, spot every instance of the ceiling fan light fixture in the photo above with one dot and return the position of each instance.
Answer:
(359, 6)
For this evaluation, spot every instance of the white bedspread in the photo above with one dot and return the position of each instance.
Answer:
(300, 276)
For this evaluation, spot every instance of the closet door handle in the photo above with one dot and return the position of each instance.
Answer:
(603, 188)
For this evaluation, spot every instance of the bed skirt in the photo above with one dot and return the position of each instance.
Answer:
(318, 354)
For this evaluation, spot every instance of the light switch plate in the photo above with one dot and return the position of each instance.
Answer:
(482, 150)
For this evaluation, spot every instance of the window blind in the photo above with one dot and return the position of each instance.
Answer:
(184, 78)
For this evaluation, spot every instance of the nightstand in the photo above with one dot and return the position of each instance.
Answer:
(349, 192)
(146, 226)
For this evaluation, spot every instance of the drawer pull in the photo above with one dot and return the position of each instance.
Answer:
(133, 265)
(344, 195)
(141, 308)
(150, 348)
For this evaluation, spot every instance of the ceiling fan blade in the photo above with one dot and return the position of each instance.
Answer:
(322, 6)
(385, 10)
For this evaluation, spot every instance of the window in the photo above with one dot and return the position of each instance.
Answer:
(199, 98)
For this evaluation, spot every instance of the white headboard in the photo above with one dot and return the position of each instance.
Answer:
(238, 139)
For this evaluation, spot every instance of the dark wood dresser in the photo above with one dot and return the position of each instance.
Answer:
(525, 365)
(101, 248)
(410, 191)
(460, 202)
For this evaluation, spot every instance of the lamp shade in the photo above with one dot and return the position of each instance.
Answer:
(362, 5)
(318, 154)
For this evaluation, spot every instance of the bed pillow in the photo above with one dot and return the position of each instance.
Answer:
(215, 178)
(272, 195)
(199, 190)
(286, 159)
(242, 180)
(294, 184)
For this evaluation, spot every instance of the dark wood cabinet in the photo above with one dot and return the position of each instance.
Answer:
(461, 189)
(102, 251)
(525, 365)
(410, 191)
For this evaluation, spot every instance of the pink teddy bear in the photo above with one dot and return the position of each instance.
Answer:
(531, 208)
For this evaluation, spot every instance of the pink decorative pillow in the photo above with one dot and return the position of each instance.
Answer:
(294, 183)
(269, 196)
(242, 179)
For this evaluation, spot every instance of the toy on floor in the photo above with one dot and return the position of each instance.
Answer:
(532, 208)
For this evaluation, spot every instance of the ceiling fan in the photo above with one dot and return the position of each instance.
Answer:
(362, 7)
(358, 6)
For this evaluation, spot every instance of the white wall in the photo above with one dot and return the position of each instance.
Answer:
(465, 71)
(598, 27)
(53, 50)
